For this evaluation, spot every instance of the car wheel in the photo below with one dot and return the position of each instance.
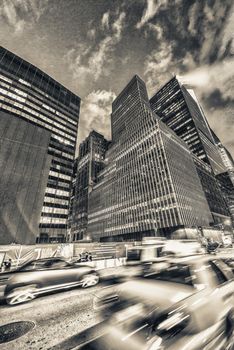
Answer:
(21, 295)
(89, 280)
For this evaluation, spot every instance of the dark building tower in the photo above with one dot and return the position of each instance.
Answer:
(149, 184)
(177, 106)
(89, 163)
(33, 97)
(24, 170)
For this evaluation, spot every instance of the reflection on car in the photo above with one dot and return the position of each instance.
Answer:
(44, 275)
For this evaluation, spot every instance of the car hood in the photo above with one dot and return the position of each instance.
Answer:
(150, 293)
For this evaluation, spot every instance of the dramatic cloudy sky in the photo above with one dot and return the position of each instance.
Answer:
(94, 47)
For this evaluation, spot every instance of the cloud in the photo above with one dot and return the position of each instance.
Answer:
(87, 62)
(91, 33)
(105, 20)
(209, 78)
(158, 67)
(19, 14)
(150, 11)
(95, 113)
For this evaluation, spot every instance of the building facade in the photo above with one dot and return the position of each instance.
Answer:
(89, 163)
(149, 185)
(227, 188)
(177, 106)
(31, 95)
(24, 170)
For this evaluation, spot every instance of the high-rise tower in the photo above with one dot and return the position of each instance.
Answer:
(31, 95)
(177, 106)
(89, 163)
(149, 185)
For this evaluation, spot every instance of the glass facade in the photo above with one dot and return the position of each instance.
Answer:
(227, 186)
(30, 94)
(89, 163)
(177, 106)
(149, 185)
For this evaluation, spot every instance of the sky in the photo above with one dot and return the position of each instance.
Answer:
(94, 47)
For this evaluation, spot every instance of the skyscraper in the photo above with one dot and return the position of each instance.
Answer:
(149, 185)
(177, 106)
(31, 95)
(89, 163)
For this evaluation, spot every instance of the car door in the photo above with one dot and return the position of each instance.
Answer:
(58, 274)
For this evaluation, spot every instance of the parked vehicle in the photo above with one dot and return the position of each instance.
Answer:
(44, 275)
(189, 305)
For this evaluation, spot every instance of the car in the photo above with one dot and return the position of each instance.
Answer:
(186, 306)
(182, 247)
(44, 275)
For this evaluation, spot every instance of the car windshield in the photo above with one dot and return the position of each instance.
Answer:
(43, 264)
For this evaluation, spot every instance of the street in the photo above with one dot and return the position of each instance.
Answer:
(56, 317)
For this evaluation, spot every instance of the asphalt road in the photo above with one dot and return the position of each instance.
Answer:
(56, 316)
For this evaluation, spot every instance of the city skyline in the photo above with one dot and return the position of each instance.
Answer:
(94, 49)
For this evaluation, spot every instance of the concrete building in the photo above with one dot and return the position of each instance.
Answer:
(149, 185)
(32, 96)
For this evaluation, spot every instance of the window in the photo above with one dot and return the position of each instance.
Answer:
(178, 273)
(35, 265)
(224, 270)
(58, 264)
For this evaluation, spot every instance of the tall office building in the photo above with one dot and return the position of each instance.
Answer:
(149, 185)
(31, 95)
(177, 106)
(89, 163)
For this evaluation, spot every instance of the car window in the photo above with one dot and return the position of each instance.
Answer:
(134, 254)
(218, 273)
(224, 271)
(35, 265)
(58, 264)
(229, 262)
(179, 273)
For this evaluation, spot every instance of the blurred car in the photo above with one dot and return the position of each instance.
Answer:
(188, 306)
(183, 247)
(44, 275)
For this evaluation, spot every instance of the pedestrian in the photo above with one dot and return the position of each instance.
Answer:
(90, 256)
(8, 264)
(86, 256)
